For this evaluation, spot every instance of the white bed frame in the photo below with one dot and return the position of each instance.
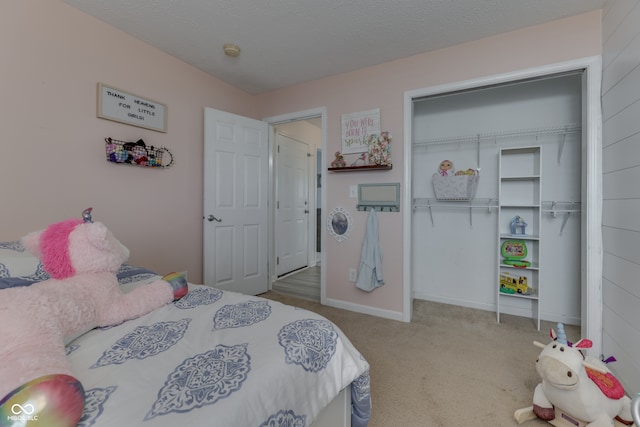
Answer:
(337, 413)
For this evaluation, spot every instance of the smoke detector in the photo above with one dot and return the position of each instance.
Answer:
(231, 50)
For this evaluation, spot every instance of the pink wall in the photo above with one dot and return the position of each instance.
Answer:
(384, 86)
(52, 161)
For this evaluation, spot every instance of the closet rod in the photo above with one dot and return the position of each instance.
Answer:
(551, 130)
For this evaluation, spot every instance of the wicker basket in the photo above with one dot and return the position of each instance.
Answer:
(460, 187)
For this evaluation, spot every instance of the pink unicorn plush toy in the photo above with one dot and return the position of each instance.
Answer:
(82, 258)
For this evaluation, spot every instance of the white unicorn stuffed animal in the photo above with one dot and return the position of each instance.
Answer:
(583, 391)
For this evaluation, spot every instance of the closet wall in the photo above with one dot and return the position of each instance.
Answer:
(454, 244)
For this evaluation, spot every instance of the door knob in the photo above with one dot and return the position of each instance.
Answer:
(213, 218)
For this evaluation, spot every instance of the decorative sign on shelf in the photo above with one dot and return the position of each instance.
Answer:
(124, 107)
(357, 128)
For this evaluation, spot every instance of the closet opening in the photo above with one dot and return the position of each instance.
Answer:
(524, 145)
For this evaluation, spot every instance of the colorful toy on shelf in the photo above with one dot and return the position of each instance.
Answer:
(446, 168)
(338, 162)
(380, 149)
(514, 253)
(576, 390)
(517, 226)
(511, 285)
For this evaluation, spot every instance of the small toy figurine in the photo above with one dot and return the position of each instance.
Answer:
(446, 168)
(517, 226)
(339, 161)
(362, 157)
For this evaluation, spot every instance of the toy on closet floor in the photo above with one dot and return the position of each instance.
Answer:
(575, 390)
(82, 258)
(338, 162)
(635, 409)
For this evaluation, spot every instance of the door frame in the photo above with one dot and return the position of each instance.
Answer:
(591, 305)
(310, 204)
(272, 122)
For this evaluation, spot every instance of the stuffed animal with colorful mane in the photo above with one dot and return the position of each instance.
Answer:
(575, 390)
(82, 257)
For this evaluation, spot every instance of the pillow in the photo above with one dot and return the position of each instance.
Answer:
(19, 267)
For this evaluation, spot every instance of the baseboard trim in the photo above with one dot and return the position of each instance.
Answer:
(506, 309)
(454, 301)
(387, 314)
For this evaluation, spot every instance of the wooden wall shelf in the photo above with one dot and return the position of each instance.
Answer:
(362, 168)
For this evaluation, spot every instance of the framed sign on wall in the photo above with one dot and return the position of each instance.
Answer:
(357, 130)
(124, 107)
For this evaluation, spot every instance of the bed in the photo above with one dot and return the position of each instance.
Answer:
(213, 358)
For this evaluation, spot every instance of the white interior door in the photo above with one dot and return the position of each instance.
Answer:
(235, 202)
(292, 204)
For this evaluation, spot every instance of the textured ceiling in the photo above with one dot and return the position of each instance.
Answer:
(285, 42)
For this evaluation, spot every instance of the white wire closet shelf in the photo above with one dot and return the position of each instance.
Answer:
(562, 130)
(542, 131)
(551, 207)
(430, 203)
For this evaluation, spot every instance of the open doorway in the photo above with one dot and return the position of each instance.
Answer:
(296, 213)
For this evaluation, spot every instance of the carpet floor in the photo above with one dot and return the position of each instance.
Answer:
(450, 366)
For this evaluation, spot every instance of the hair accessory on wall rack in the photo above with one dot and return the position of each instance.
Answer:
(136, 153)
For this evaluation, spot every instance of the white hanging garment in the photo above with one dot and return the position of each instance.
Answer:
(370, 272)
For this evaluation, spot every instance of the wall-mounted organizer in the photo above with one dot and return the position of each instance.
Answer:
(381, 197)
(137, 153)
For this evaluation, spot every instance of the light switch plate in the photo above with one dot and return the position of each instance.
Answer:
(353, 191)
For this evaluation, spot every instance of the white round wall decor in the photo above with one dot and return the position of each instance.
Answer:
(339, 223)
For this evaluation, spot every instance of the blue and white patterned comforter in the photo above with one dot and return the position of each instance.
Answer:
(218, 358)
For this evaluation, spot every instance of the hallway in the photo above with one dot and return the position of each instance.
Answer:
(303, 284)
